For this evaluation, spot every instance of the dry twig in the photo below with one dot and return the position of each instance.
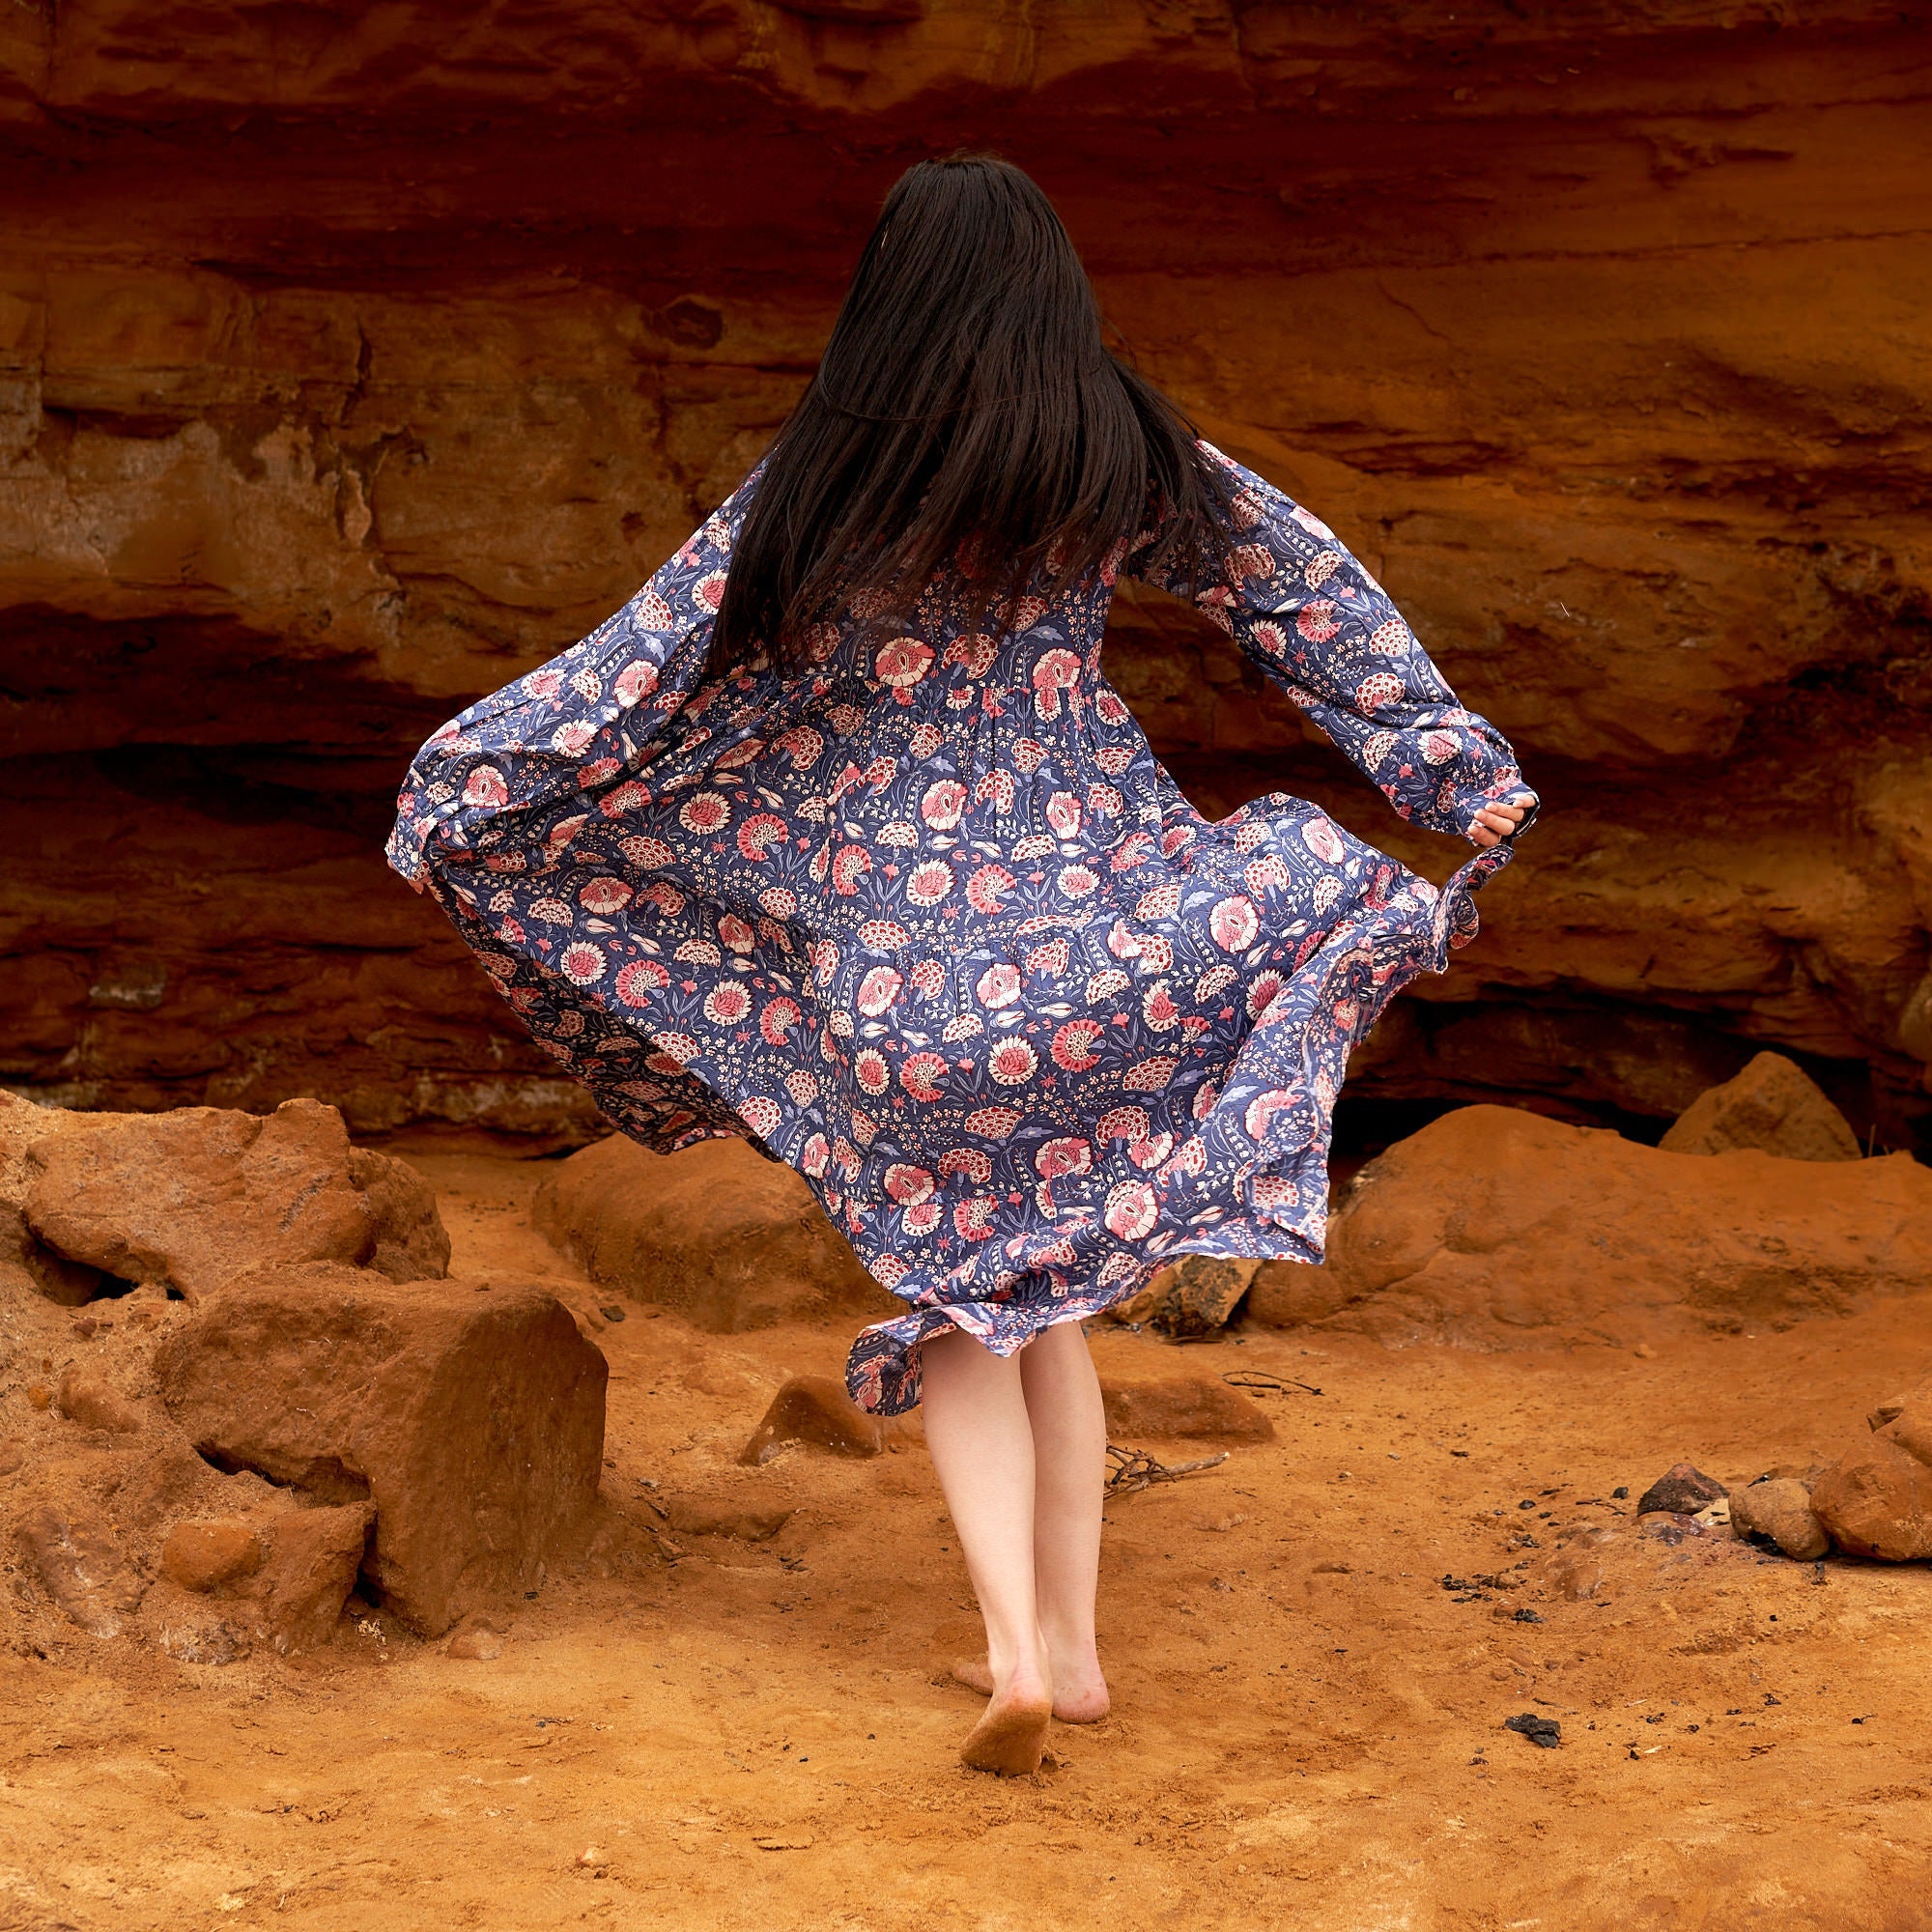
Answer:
(1261, 1379)
(1134, 1469)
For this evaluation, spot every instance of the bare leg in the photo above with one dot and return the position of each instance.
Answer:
(1070, 1439)
(1069, 1444)
(982, 1444)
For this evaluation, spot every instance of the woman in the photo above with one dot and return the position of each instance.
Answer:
(836, 838)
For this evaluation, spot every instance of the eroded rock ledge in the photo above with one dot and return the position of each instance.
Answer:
(347, 368)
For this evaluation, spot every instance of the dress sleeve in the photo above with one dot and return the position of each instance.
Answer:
(1310, 616)
(578, 720)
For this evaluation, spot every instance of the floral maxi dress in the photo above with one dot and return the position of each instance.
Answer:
(936, 927)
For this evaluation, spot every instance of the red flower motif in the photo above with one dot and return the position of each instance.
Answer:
(984, 888)
(920, 1074)
(638, 981)
(878, 989)
(485, 786)
(1131, 1210)
(1235, 923)
(908, 1185)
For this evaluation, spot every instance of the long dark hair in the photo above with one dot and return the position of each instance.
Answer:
(966, 414)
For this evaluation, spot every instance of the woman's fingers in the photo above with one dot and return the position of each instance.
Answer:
(1496, 822)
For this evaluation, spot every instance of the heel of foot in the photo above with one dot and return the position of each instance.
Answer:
(1008, 1742)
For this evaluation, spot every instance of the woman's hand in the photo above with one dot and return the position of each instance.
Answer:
(1496, 822)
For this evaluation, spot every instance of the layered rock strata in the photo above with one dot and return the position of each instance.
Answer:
(349, 363)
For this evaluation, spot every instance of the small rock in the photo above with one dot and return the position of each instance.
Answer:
(87, 1399)
(1876, 1499)
(590, 1858)
(83, 1569)
(310, 1568)
(1196, 1296)
(203, 1556)
(1681, 1491)
(13, 1453)
(1546, 1732)
(1185, 1407)
(614, 1313)
(476, 1641)
(1889, 1410)
(814, 1410)
(39, 1395)
(1779, 1509)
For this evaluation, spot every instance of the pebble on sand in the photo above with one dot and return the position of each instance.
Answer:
(1545, 1732)
(1681, 1491)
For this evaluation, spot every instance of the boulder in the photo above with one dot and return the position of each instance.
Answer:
(412, 1244)
(1494, 1226)
(191, 1197)
(1778, 1510)
(82, 1565)
(24, 1259)
(1185, 1407)
(1194, 1297)
(1773, 1105)
(728, 1238)
(472, 1419)
(1876, 1499)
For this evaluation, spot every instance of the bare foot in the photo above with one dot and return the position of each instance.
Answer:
(1078, 1699)
(1010, 1739)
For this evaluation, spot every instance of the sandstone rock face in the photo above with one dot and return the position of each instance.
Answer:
(1492, 1226)
(730, 1239)
(190, 1198)
(471, 1420)
(1587, 327)
(1876, 1499)
(1772, 1106)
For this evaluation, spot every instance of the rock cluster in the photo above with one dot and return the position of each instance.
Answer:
(1496, 1227)
(251, 1390)
(1876, 1499)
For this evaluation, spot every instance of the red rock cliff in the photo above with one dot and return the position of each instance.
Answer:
(352, 357)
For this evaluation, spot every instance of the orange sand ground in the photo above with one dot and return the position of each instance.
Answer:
(751, 1735)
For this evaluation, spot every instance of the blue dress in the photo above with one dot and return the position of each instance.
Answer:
(933, 923)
